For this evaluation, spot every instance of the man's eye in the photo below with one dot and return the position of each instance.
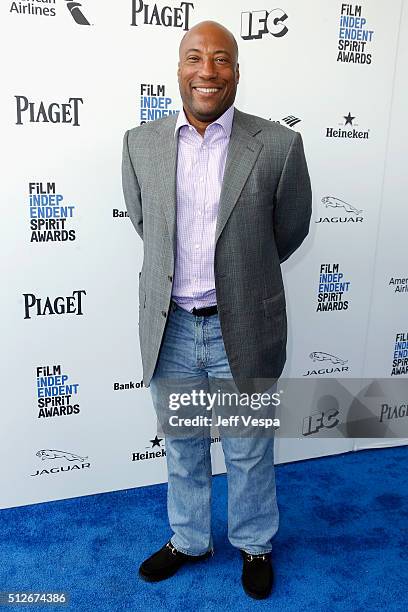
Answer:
(193, 58)
(221, 59)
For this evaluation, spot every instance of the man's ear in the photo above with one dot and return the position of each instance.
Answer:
(237, 72)
(178, 70)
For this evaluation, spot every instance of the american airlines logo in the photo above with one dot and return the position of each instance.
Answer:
(76, 12)
(49, 8)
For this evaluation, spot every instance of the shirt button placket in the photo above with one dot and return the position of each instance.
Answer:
(201, 206)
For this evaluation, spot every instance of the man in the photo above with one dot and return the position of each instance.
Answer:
(220, 198)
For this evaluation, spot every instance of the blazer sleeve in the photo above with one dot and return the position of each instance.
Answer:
(293, 201)
(131, 189)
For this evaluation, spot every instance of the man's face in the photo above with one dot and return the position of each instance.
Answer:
(208, 73)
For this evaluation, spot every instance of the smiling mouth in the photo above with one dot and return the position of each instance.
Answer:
(207, 90)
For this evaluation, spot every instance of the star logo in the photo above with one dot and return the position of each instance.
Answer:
(349, 119)
(156, 442)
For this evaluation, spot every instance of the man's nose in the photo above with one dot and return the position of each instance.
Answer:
(208, 69)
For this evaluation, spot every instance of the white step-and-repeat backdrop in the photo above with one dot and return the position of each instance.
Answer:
(75, 418)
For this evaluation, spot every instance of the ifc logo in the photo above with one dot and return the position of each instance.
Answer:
(257, 23)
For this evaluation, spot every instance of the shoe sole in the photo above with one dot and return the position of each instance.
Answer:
(157, 577)
(255, 595)
(160, 577)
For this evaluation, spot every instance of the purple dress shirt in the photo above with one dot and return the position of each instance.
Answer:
(200, 171)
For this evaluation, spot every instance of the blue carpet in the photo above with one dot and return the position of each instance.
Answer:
(342, 544)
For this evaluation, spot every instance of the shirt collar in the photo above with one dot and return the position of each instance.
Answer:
(225, 121)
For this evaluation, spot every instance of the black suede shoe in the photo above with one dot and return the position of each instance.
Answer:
(257, 575)
(166, 561)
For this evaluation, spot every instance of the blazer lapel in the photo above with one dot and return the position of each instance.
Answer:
(243, 151)
(242, 154)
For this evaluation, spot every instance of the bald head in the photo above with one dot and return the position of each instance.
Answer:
(208, 72)
(209, 28)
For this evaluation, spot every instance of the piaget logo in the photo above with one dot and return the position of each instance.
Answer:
(61, 305)
(159, 15)
(47, 112)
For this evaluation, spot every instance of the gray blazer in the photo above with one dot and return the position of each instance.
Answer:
(264, 215)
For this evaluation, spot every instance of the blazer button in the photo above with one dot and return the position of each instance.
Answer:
(164, 313)
(170, 278)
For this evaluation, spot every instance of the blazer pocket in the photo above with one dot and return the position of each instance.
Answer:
(274, 306)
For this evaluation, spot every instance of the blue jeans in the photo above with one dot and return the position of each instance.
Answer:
(193, 348)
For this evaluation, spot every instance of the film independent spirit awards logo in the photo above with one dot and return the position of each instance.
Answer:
(49, 8)
(154, 103)
(333, 289)
(49, 215)
(56, 394)
(355, 37)
(400, 355)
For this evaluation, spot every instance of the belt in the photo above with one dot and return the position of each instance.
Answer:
(205, 312)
